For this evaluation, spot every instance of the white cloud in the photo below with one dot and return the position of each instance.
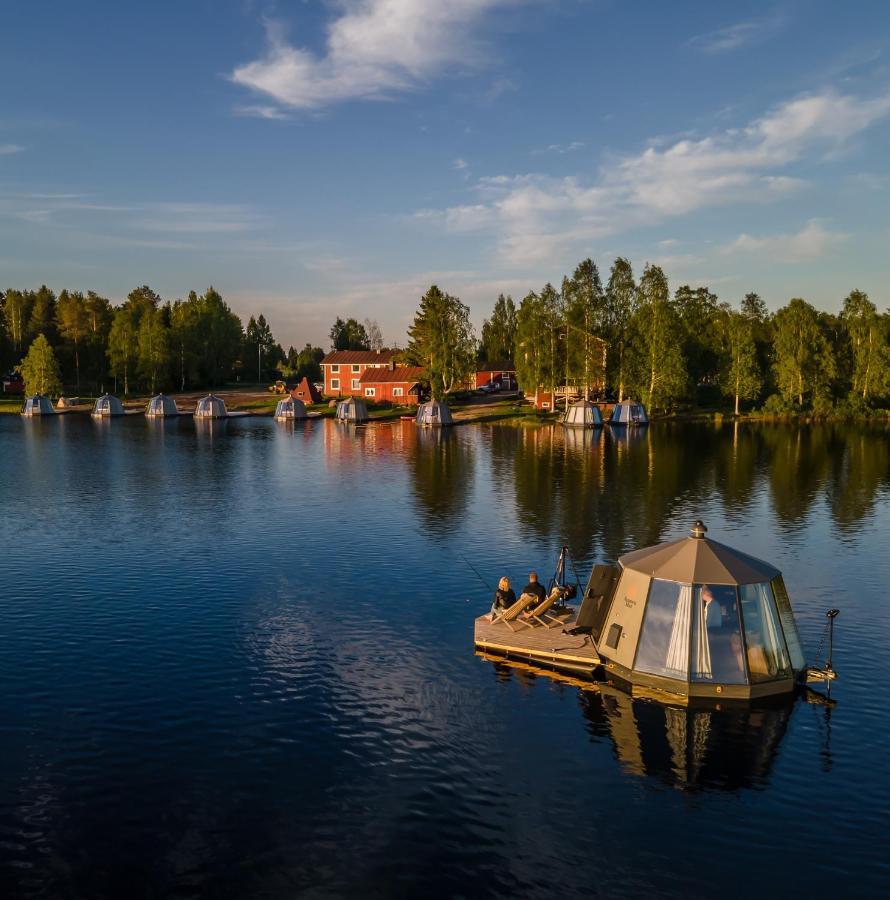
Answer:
(534, 215)
(9, 149)
(261, 112)
(460, 164)
(811, 242)
(374, 49)
(571, 147)
(739, 34)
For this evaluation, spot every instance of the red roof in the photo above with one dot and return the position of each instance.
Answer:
(368, 357)
(401, 374)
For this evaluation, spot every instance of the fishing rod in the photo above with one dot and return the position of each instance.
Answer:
(475, 570)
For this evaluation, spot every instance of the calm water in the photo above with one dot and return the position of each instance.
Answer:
(237, 662)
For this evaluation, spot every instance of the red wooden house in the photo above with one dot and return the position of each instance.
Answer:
(343, 370)
(500, 374)
(401, 385)
(306, 391)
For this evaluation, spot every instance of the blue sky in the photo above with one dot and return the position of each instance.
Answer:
(316, 159)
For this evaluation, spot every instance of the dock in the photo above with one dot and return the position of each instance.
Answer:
(551, 647)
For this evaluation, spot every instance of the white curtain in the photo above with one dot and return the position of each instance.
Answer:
(678, 648)
(773, 640)
(700, 641)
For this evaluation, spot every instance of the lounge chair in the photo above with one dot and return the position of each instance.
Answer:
(511, 613)
(540, 612)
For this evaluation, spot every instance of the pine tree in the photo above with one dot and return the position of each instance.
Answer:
(585, 315)
(73, 323)
(499, 332)
(620, 302)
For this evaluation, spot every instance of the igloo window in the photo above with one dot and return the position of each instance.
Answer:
(767, 656)
(664, 643)
(717, 653)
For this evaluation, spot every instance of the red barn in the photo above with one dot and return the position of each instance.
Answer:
(400, 385)
(343, 370)
(306, 392)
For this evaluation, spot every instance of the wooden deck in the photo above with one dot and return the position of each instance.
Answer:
(549, 645)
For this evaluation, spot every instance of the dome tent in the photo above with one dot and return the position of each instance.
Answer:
(289, 409)
(696, 618)
(161, 406)
(38, 405)
(211, 407)
(353, 410)
(629, 412)
(583, 414)
(108, 405)
(434, 412)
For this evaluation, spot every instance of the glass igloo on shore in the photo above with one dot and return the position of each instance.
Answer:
(290, 409)
(211, 407)
(106, 406)
(161, 406)
(583, 414)
(629, 412)
(352, 410)
(434, 412)
(38, 405)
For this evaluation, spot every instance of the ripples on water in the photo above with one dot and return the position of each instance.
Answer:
(237, 662)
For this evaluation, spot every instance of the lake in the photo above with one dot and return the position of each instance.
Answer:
(237, 661)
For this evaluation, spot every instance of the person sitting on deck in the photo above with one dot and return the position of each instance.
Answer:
(535, 587)
(504, 597)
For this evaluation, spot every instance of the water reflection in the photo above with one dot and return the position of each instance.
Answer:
(442, 473)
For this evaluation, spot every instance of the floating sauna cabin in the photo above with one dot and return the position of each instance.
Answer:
(434, 412)
(583, 414)
(107, 405)
(211, 407)
(161, 406)
(352, 410)
(38, 405)
(696, 618)
(629, 412)
(290, 409)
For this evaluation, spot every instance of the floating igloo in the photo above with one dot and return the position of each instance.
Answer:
(629, 412)
(107, 405)
(583, 414)
(696, 618)
(38, 405)
(211, 407)
(290, 409)
(353, 410)
(161, 406)
(434, 412)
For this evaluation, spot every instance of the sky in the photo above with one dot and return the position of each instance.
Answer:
(321, 159)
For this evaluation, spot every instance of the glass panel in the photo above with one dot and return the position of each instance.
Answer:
(789, 626)
(717, 636)
(767, 656)
(664, 643)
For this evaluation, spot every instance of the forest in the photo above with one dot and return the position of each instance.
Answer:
(627, 337)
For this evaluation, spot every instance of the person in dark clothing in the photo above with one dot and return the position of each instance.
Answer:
(504, 597)
(535, 587)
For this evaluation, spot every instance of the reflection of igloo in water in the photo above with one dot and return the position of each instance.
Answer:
(583, 414)
(107, 405)
(629, 412)
(161, 406)
(290, 409)
(700, 619)
(352, 409)
(211, 407)
(434, 412)
(38, 405)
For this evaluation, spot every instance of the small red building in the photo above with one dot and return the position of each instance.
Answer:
(400, 385)
(306, 391)
(502, 375)
(343, 370)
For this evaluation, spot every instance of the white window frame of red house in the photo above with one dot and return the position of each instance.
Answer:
(370, 392)
(335, 384)
(335, 367)
(398, 392)
(355, 384)
(356, 368)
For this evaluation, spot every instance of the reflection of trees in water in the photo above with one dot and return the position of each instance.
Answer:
(442, 469)
(605, 494)
(690, 748)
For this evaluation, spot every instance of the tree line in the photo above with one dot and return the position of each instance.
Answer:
(689, 346)
(143, 344)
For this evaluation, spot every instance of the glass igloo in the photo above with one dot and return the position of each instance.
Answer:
(583, 414)
(434, 412)
(38, 405)
(629, 412)
(211, 407)
(161, 406)
(290, 409)
(108, 405)
(696, 618)
(353, 410)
